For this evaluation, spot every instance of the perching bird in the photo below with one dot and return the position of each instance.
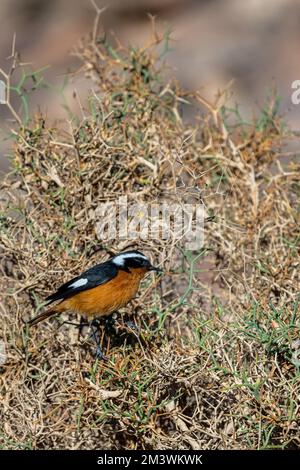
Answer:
(102, 289)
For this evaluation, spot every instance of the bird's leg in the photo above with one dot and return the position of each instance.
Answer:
(132, 326)
(96, 337)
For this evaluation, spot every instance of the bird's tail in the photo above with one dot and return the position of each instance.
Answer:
(42, 316)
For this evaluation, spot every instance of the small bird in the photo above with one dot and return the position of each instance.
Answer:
(102, 289)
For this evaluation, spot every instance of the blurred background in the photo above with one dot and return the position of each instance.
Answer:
(254, 42)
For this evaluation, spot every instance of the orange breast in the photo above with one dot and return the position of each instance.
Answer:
(107, 298)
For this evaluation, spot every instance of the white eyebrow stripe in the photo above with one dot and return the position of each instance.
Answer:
(119, 260)
(79, 283)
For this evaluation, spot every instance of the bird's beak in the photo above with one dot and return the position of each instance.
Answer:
(154, 268)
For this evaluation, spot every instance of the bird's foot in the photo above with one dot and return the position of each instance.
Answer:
(96, 337)
(99, 354)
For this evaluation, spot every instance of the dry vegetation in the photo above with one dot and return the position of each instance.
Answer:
(215, 364)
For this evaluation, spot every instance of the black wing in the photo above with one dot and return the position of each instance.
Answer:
(95, 276)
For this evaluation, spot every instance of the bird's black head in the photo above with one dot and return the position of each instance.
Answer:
(133, 260)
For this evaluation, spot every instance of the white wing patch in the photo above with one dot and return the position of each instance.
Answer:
(79, 283)
(120, 259)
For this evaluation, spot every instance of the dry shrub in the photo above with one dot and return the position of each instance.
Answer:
(215, 364)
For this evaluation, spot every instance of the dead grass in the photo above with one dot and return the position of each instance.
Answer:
(216, 363)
